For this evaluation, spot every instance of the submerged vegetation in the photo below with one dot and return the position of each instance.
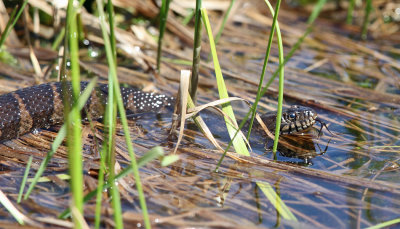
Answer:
(339, 57)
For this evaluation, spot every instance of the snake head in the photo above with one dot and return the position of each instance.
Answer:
(294, 119)
(297, 118)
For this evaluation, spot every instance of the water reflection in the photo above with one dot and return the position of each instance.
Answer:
(299, 149)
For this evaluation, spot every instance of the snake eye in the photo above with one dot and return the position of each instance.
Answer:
(292, 115)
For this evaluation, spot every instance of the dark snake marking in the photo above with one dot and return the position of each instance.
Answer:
(41, 106)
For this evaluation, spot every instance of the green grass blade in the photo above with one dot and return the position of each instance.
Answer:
(368, 9)
(188, 18)
(63, 65)
(110, 123)
(311, 19)
(385, 224)
(291, 52)
(315, 13)
(224, 21)
(258, 97)
(231, 141)
(238, 143)
(276, 201)
(121, 109)
(116, 204)
(168, 160)
(110, 12)
(221, 29)
(58, 40)
(18, 216)
(281, 82)
(152, 154)
(163, 24)
(350, 11)
(194, 80)
(100, 186)
(177, 61)
(61, 176)
(7, 30)
(74, 126)
(287, 58)
(11, 23)
(60, 137)
(21, 190)
(296, 46)
(57, 142)
(107, 155)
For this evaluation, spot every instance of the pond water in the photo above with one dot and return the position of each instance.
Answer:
(347, 177)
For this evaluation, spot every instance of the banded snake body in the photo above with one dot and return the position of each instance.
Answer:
(41, 106)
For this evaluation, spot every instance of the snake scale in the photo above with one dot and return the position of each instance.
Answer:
(41, 106)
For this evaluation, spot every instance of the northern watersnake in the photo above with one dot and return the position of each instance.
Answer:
(41, 106)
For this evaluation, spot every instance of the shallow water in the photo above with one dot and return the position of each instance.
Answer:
(342, 180)
(326, 200)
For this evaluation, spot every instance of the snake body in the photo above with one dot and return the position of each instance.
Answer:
(41, 106)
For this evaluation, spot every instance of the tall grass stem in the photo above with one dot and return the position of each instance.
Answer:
(121, 109)
(350, 10)
(21, 190)
(11, 23)
(194, 80)
(163, 23)
(266, 58)
(74, 125)
(368, 9)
